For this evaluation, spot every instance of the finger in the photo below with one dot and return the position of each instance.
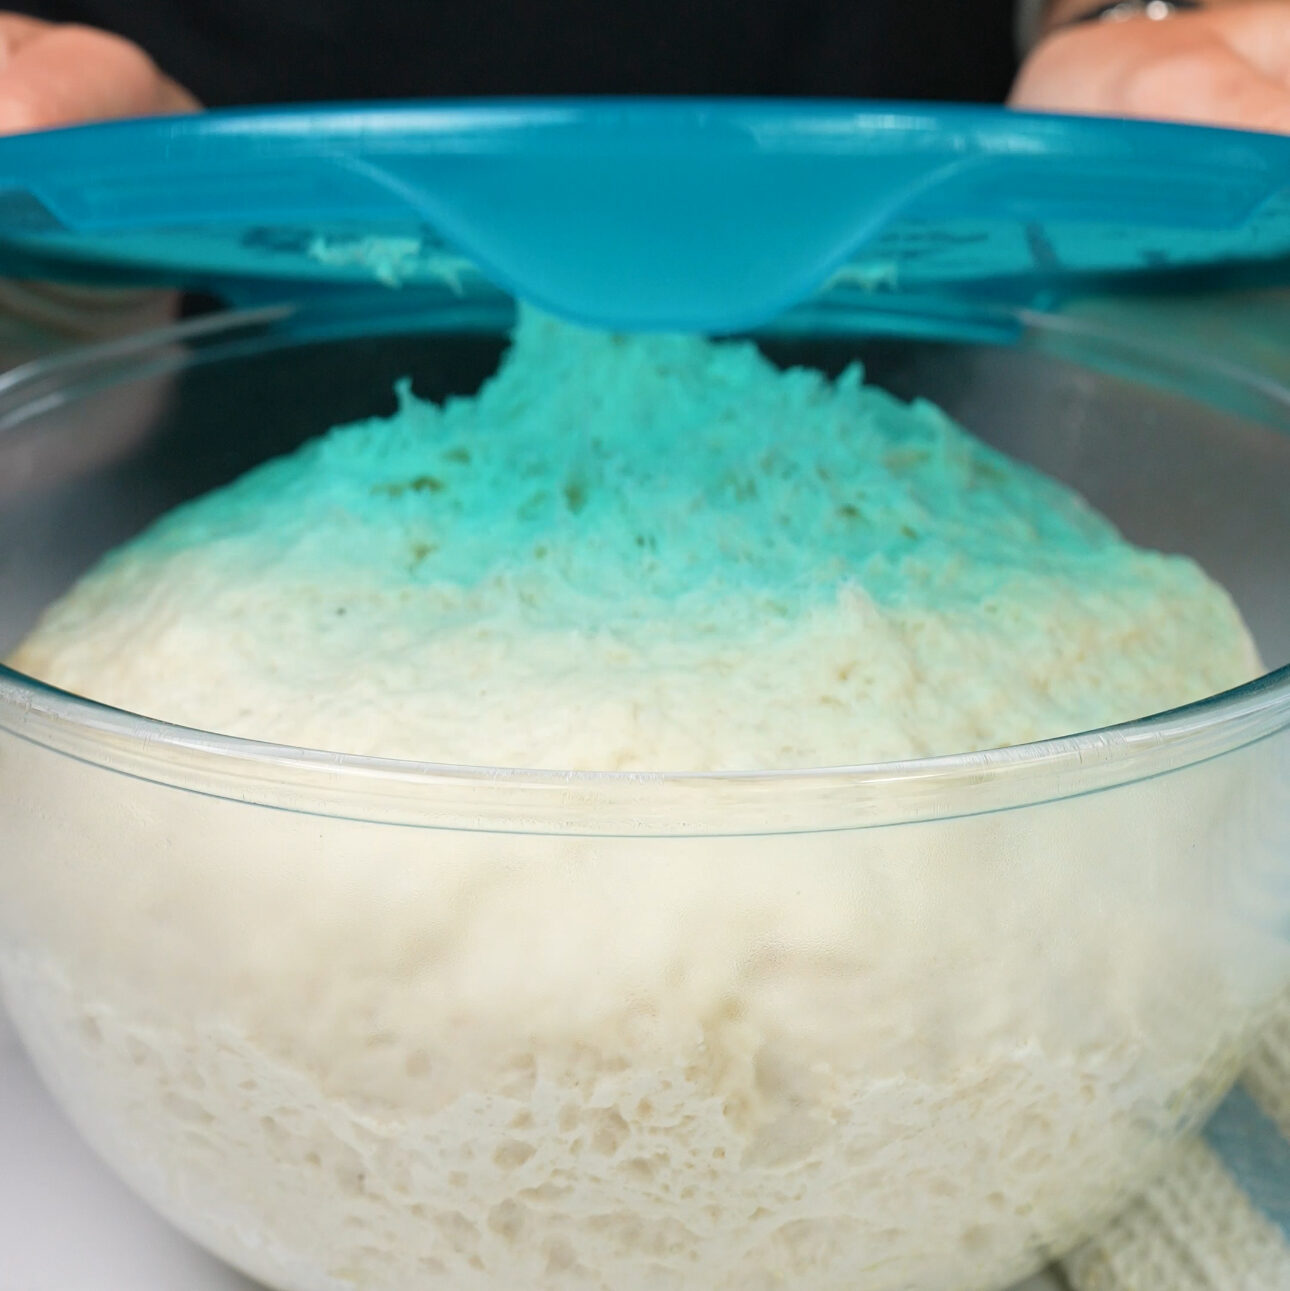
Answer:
(1083, 68)
(17, 30)
(71, 74)
(1211, 84)
(1188, 73)
(1259, 31)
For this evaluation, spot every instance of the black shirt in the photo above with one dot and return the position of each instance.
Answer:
(265, 51)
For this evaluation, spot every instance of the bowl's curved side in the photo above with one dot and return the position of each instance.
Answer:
(352, 1021)
(922, 1055)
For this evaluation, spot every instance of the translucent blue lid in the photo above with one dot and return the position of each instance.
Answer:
(705, 215)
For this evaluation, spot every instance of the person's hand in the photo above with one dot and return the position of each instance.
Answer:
(56, 75)
(1228, 65)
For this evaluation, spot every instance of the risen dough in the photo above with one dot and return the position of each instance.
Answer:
(644, 554)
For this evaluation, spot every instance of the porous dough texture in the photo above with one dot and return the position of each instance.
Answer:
(348, 1055)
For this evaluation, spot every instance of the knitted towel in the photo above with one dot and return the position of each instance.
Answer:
(1220, 1218)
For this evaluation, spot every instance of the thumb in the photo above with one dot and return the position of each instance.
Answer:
(64, 75)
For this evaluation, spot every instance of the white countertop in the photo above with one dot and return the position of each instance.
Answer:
(66, 1224)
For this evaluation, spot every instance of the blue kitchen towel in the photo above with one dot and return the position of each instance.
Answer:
(1219, 1219)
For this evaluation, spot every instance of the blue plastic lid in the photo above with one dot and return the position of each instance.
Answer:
(705, 215)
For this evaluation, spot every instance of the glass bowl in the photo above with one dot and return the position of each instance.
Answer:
(912, 1027)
